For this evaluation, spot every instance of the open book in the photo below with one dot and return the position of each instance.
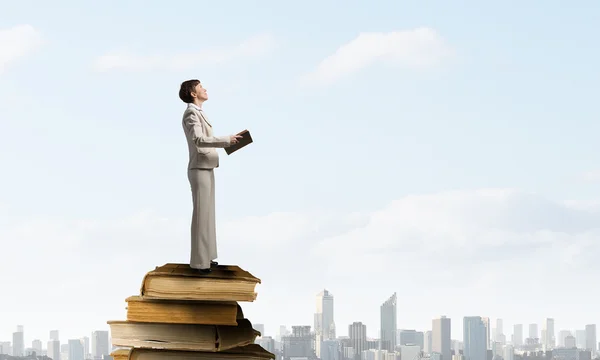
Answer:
(245, 140)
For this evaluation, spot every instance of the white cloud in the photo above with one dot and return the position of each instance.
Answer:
(464, 226)
(456, 253)
(416, 49)
(253, 47)
(17, 42)
(591, 176)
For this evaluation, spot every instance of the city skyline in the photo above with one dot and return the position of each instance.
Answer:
(439, 326)
(475, 344)
(93, 347)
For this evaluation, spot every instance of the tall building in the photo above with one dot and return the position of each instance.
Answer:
(36, 345)
(441, 341)
(64, 351)
(590, 339)
(488, 339)
(283, 331)
(53, 350)
(76, 350)
(330, 350)
(474, 338)
(410, 337)
(533, 331)
(299, 343)
(85, 342)
(388, 320)
(549, 339)
(509, 353)
(517, 338)
(570, 342)
(427, 342)
(5, 348)
(18, 343)
(100, 346)
(580, 338)
(562, 336)
(267, 342)
(357, 332)
(324, 323)
(54, 335)
(407, 352)
(457, 346)
(499, 330)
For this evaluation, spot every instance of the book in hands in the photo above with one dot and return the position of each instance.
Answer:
(245, 140)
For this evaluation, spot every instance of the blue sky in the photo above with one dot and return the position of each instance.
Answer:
(410, 120)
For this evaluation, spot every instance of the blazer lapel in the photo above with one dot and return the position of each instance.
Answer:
(204, 117)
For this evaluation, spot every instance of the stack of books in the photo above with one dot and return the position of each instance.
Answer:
(182, 313)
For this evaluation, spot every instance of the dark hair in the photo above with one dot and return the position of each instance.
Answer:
(186, 89)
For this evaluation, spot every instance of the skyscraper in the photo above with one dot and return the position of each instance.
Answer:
(53, 350)
(388, 324)
(358, 338)
(324, 323)
(549, 338)
(283, 331)
(517, 338)
(330, 350)
(509, 352)
(441, 341)
(488, 339)
(590, 339)
(562, 336)
(85, 342)
(299, 343)
(18, 344)
(570, 342)
(474, 338)
(427, 339)
(543, 336)
(36, 345)
(100, 345)
(499, 330)
(76, 351)
(410, 337)
(580, 338)
(533, 331)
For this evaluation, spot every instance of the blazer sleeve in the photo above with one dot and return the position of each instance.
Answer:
(194, 127)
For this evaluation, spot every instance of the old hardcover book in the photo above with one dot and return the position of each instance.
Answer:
(248, 352)
(141, 309)
(181, 282)
(187, 337)
(245, 140)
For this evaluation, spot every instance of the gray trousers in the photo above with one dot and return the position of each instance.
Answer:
(204, 237)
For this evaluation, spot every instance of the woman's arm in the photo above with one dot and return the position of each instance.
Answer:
(194, 127)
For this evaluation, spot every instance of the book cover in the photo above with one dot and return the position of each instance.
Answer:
(245, 140)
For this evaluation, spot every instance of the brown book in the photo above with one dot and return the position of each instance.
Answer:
(181, 282)
(141, 309)
(245, 140)
(248, 352)
(187, 337)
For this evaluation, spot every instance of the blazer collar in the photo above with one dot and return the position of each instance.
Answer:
(194, 106)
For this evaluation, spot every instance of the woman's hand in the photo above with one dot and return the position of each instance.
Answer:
(234, 139)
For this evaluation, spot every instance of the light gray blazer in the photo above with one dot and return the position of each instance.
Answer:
(202, 143)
